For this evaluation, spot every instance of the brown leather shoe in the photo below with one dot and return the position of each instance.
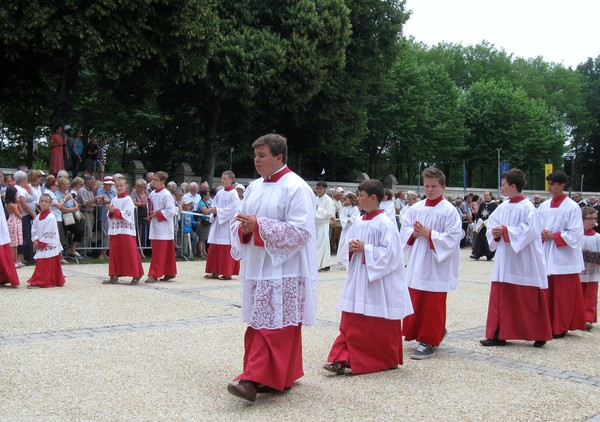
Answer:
(167, 278)
(244, 389)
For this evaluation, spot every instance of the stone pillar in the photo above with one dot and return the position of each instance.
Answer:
(183, 173)
(135, 170)
(390, 182)
(362, 177)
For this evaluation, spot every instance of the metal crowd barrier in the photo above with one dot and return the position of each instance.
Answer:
(96, 239)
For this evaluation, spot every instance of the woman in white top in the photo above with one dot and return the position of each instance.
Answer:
(26, 197)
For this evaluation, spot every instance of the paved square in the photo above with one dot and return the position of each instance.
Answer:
(166, 352)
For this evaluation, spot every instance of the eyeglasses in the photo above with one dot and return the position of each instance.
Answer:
(591, 218)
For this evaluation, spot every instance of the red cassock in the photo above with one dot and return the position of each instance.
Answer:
(590, 300)
(367, 343)
(219, 261)
(8, 271)
(518, 313)
(47, 273)
(163, 258)
(273, 357)
(565, 303)
(428, 323)
(124, 259)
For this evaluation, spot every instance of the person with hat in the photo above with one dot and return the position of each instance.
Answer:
(107, 192)
(124, 259)
(240, 190)
(562, 233)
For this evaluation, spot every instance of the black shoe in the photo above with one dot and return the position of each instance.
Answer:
(476, 258)
(489, 258)
(244, 389)
(559, 335)
(325, 269)
(539, 343)
(492, 342)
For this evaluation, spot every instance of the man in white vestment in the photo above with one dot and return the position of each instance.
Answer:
(274, 236)
(325, 212)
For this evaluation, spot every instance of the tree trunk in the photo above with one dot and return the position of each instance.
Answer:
(211, 118)
(65, 89)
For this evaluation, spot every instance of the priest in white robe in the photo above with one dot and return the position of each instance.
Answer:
(518, 308)
(562, 233)
(274, 236)
(431, 233)
(325, 212)
(375, 296)
(219, 263)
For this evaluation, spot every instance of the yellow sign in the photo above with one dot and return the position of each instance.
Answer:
(548, 168)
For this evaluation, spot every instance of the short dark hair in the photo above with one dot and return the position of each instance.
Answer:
(322, 184)
(434, 173)
(515, 177)
(277, 145)
(558, 177)
(372, 187)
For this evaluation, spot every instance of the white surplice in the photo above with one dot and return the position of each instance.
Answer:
(389, 207)
(162, 200)
(348, 216)
(376, 284)
(521, 260)
(4, 234)
(279, 279)
(591, 243)
(566, 219)
(125, 224)
(325, 212)
(227, 203)
(46, 231)
(433, 270)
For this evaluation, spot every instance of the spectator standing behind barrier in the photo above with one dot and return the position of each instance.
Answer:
(140, 200)
(68, 149)
(102, 156)
(55, 209)
(70, 206)
(77, 153)
(57, 146)
(91, 155)
(106, 193)
(86, 198)
(203, 227)
(25, 196)
(15, 230)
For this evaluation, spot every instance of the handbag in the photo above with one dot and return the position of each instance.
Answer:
(68, 219)
(78, 215)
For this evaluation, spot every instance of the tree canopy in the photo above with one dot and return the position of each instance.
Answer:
(197, 80)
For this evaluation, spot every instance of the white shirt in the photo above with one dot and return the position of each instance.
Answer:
(592, 271)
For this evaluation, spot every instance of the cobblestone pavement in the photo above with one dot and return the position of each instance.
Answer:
(166, 351)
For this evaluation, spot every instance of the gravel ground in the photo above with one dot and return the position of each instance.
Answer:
(166, 351)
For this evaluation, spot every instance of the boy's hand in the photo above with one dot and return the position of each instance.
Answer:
(356, 245)
(420, 230)
(247, 222)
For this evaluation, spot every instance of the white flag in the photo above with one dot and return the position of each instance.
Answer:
(323, 171)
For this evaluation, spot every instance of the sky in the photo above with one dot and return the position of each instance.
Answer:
(561, 31)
